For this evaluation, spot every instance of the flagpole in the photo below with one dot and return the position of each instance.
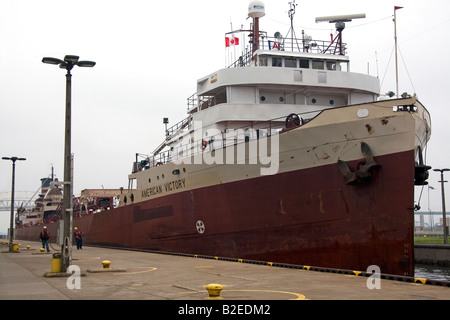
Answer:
(396, 49)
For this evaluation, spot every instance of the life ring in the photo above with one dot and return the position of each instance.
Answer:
(204, 144)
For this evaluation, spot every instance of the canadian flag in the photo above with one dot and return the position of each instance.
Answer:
(231, 41)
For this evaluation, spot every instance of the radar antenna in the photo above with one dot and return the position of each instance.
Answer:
(340, 26)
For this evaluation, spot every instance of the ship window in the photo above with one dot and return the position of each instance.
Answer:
(276, 62)
(331, 65)
(344, 66)
(263, 61)
(290, 63)
(318, 64)
(304, 63)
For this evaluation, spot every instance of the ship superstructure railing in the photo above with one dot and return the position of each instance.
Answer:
(227, 138)
(196, 103)
(289, 44)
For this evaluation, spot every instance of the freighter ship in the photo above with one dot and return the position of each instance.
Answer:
(285, 156)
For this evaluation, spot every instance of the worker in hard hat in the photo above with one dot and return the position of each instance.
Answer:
(44, 236)
(78, 235)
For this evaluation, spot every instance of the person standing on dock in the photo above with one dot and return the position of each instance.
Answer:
(45, 236)
(78, 238)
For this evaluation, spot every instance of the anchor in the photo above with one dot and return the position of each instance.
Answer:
(365, 170)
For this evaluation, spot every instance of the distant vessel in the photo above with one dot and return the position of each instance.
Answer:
(286, 156)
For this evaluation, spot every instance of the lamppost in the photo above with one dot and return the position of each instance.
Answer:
(444, 224)
(11, 223)
(68, 63)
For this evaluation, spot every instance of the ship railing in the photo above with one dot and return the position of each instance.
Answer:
(243, 61)
(177, 127)
(290, 44)
(204, 102)
(242, 134)
(306, 44)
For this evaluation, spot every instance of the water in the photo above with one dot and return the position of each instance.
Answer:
(432, 272)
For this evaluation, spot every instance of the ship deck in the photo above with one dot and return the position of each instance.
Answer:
(137, 275)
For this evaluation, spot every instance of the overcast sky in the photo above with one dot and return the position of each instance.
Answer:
(149, 56)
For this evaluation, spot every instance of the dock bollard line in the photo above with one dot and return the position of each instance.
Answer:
(293, 266)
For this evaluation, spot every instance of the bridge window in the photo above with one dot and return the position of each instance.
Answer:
(276, 62)
(331, 65)
(344, 66)
(262, 61)
(290, 63)
(304, 63)
(318, 64)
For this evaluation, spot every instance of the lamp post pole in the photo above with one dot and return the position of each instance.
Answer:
(68, 63)
(444, 223)
(11, 223)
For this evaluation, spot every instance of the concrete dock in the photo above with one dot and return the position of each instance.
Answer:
(135, 275)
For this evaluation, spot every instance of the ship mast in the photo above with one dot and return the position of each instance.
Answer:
(256, 10)
(396, 48)
(291, 14)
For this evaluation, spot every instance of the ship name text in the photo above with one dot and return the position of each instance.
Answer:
(166, 187)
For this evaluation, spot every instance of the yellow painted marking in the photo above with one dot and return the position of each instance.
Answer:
(137, 284)
(240, 260)
(149, 269)
(217, 258)
(270, 263)
(356, 273)
(298, 296)
(306, 267)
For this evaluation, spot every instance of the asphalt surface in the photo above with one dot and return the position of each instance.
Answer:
(134, 275)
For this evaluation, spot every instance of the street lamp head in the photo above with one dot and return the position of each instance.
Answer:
(69, 62)
(441, 170)
(14, 159)
(86, 64)
(71, 59)
(51, 60)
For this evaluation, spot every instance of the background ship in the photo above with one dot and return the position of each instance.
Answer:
(285, 156)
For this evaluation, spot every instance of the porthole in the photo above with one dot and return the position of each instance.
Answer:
(314, 101)
(263, 98)
(331, 101)
(281, 99)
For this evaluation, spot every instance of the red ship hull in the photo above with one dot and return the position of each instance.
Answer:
(304, 217)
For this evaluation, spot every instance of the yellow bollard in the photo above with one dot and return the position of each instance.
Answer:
(56, 262)
(28, 247)
(106, 264)
(214, 290)
(42, 250)
(16, 247)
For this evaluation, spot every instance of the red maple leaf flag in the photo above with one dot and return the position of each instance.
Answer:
(231, 41)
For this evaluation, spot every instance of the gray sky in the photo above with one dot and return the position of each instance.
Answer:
(149, 56)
